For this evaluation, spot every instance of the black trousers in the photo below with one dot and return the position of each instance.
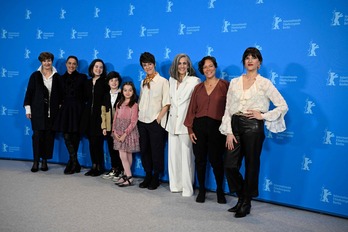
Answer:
(96, 149)
(210, 145)
(152, 142)
(250, 136)
(114, 154)
(43, 142)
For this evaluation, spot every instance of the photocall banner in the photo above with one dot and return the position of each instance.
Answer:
(303, 43)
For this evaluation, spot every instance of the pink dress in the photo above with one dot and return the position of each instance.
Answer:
(125, 121)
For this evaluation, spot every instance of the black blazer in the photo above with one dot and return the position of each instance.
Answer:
(35, 97)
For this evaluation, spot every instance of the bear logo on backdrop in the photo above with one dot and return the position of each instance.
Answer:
(305, 163)
(308, 107)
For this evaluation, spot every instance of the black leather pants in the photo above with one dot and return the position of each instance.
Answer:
(250, 136)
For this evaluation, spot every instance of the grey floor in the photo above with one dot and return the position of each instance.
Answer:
(52, 201)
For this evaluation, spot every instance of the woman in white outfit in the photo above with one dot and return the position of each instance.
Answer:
(180, 156)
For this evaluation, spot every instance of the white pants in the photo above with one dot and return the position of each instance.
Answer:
(181, 167)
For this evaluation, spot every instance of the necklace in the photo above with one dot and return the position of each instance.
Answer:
(211, 83)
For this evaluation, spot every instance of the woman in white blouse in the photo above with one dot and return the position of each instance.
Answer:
(246, 113)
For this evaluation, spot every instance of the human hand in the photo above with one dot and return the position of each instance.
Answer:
(229, 141)
(193, 138)
(28, 116)
(253, 114)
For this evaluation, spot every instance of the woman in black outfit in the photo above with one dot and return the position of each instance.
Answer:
(68, 120)
(94, 92)
(41, 103)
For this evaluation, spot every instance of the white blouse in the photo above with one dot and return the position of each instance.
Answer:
(257, 97)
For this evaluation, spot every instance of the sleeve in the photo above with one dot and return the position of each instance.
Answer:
(29, 94)
(274, 119)
(134, 119)
(225, 127)
(191, 111)
(165, 92)
(106, 118)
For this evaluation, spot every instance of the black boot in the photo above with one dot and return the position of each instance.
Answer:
(147, 181)
(154, 182)
(244, 209)
(220, 196)
(75, 166)
(99, 170)
(44, 166)
(237, 206)
(35, 166)
(201, 195)
(68, 166)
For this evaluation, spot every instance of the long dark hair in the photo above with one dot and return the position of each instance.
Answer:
(133, 98)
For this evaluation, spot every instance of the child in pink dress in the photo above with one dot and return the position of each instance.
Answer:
(125, 131)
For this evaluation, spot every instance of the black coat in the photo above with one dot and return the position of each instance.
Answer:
(70, 112)
(94, 96)
(35, 97)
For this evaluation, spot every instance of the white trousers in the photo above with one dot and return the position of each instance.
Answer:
(181, 167)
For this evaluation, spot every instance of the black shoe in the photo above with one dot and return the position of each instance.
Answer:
(97, 172)
(128, 182)
(236, 207)
(201, 196)
(154, 184)
(221, 197)
(35, 167)
(244, 210)
(44, 166)
(90, 172)
(146, 182)
(67, 169)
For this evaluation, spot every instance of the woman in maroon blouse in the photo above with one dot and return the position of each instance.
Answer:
(203, 119)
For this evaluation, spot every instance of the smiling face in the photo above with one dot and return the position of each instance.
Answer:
(209, 69)
(114, 83)
(71, 65)
(149, 68)
(46, 64)
(98, 69)
(251, 63)
(182, 66)
(127, 91)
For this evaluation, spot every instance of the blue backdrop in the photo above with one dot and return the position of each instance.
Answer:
(304, 45)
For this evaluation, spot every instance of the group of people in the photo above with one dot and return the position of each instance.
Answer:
(210, 120)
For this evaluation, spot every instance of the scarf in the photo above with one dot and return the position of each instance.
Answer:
(148, 79)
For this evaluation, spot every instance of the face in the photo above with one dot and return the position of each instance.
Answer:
(149, 68)
(182, 66)
(127, 91)
(71, 65)
(209, 69)
(98, 69)
(47, 64)
(114, 83)
(251, 63)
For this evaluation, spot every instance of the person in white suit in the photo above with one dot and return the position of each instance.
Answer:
(180, 155)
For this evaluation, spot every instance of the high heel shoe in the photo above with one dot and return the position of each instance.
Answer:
(35, 167)
(237, 206)
(244, 209)
(44, 166)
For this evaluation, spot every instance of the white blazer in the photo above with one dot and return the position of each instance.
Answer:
(179, 101)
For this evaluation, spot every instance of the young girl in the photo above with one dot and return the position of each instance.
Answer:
(125, 131)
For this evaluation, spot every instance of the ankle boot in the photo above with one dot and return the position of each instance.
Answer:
(244, 209)
(44, 166)
(35, 166)
(147, 181)
(201, 196)
(68, 166)
(221, 197)
(75, 166)
(237, 206)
